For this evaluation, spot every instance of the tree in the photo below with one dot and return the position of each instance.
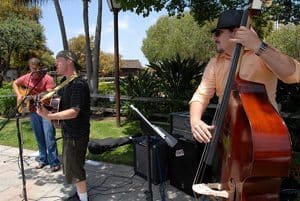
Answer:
(174, 79)
(77, 44)
(92, 60)
(18, 34)
(203, 10)
(92, 52)
(145, 7)
(287, 39)
(96, 52)
(88, 54)
(58, 13)
(171, 36)
(178, 77)
(107, 63)
(8, 8)
(19, 11)
(285, 11)
(61, 24)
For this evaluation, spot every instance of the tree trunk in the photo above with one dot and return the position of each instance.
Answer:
(88, 53)
(61, 25)
(96, 51)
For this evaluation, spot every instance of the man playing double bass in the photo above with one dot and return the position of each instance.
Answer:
(261, 63)
(247, 138)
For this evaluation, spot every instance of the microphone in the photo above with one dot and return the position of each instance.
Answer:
(42, 70)
(170, 140)
(51, 70)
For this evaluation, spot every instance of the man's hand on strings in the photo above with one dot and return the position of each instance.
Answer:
(42, 111)
(19, 99)
(201, 131)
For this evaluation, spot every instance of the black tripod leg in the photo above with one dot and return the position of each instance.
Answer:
(21, 156)
(149, 193)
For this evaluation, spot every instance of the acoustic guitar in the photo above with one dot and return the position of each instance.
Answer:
(52, 105)
(33, 100)
(26, 104)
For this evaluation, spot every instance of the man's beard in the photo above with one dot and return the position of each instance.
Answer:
(218, 48)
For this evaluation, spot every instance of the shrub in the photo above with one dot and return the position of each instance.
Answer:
(171, 81)
(144, 84)
(106, 87)
(178, 80)
(7, 101)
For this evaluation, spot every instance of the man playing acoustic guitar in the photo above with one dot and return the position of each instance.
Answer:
(74, 113)
(26, 87)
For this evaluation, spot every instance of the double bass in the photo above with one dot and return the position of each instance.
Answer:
(251, 143)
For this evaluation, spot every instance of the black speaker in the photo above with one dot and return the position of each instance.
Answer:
(183, 164)
(180, 123)
(158, 158)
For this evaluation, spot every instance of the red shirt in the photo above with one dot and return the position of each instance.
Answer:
(37, 83)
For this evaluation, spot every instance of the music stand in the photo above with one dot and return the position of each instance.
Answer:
(170, 140)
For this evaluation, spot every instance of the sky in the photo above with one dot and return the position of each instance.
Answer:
(132, 27)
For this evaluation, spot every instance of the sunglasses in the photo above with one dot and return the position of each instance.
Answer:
(218, 32)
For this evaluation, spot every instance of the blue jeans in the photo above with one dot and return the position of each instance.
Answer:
(44, 133)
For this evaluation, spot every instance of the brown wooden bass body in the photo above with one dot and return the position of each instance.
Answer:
(255, 146)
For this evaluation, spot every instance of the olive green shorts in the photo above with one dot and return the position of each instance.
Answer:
(73, 155)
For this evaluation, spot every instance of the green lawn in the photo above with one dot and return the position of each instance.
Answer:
(100, 128)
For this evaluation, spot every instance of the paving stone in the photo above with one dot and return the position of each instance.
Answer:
(106, 182)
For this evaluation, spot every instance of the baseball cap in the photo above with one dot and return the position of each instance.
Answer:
(229, 19)
(69, 55)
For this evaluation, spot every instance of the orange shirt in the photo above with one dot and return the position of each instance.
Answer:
(252, 68)
(295, 77)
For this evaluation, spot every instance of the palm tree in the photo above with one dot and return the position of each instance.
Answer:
(96, 51)
(61, 24)
(92, 60)
(59, 17)
(88, 54)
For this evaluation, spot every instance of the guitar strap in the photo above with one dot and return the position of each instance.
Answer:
(53, 91)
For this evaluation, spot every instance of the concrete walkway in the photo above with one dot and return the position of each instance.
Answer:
(106, 182)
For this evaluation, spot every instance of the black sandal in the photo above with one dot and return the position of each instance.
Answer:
(40, 166)
(55, 168)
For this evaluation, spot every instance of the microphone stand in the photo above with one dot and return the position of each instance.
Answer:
(21, 155)
(20, 144)
(170, 140)
(19, 135)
